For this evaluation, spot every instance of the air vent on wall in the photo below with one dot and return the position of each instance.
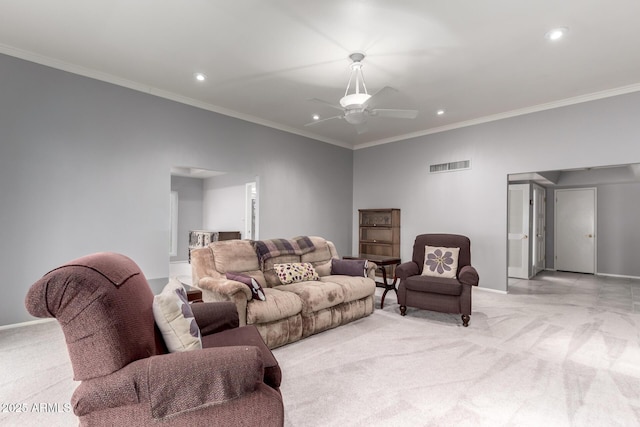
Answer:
(449, 167)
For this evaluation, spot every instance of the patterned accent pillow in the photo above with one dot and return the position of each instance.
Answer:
(440, 262)
(295, 272)
(175, 319)
(256, 290)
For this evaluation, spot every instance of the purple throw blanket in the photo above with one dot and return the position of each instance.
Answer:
(275, 247)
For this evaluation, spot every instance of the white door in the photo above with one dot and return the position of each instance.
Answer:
(539, 229)
(518, 230)
(575, 230)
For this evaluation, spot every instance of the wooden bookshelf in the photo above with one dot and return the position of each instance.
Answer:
(379, 234)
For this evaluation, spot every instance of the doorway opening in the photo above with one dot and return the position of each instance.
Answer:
(615, 214)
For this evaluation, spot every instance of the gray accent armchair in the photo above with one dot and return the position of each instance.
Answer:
(444, 295)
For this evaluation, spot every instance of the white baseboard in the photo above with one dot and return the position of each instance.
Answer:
(495, 291)
(29, 323)
(622, 276)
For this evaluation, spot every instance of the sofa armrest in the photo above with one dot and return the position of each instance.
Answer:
(407, 269)
(371, 270)
(176, 382)
(468, 276)
(226, 288)
(213, 317)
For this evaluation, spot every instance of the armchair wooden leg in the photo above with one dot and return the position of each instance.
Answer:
(403, 310)
(465, 320)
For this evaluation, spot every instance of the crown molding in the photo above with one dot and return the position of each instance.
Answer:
(508, 114)
(129, 84)
(108, 78)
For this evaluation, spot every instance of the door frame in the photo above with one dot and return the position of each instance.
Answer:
(523, 239)
(595, 225)
(538, 236)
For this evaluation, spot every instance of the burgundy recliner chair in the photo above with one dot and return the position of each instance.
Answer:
(104, 305)
(446, 295)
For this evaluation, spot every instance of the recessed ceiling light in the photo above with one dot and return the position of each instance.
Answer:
(315, 117)
(556, 33)
(200, 77)
(440, 112)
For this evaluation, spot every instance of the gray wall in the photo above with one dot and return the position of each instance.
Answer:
(85, 167)
(474, 202)
(617, 229)
(618, 232)
(190, 208)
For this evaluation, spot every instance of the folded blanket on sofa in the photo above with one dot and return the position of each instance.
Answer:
(275, 247)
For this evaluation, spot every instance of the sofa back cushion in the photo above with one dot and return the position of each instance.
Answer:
(236, 256)
(321, 257)
(270, 274)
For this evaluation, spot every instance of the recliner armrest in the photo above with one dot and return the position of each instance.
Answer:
(226, 288)
(213, 317)
(407, 269)
(468, 276)
(175, 382)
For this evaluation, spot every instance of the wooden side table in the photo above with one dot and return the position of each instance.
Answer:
(382, 262)
(193, 294)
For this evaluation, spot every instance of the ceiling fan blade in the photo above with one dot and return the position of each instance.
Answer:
(315, 122)
(327, 103)
(398, 114)
(378, 97)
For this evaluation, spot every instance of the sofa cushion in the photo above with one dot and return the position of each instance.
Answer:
(353, 288)
(316, 295)
(437, 285)
(440, 261)
(175, 319)
(295, 272)
(279, 305)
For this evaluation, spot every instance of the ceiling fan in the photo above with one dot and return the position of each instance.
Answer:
(358, 106)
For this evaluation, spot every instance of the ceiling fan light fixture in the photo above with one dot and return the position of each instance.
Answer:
(354, 100)
(359, 95)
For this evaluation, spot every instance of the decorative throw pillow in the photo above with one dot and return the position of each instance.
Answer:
(440, 262)
(349, 267)
(295, 272)
(256, 290)
(175, 320)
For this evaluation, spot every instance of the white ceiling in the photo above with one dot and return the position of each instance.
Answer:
(264, 59)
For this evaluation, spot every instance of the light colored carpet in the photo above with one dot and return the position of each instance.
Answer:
(561, 350)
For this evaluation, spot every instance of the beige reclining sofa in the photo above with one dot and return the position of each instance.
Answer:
(289, 311)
